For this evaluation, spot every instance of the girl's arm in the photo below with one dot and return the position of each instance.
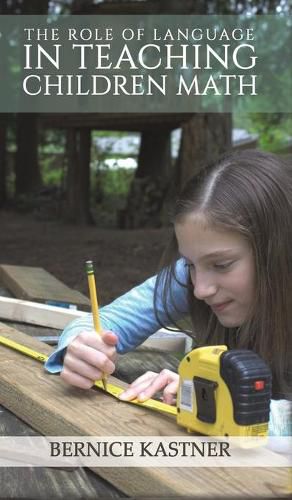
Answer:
(131, 317)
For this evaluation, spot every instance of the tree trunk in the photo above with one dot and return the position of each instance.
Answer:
(204, 138)
(27, 172)
(150, 184)
(3, 120)
(3, 162)
(77, 202)
(154, 154)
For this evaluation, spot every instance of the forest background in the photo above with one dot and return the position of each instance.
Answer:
(89, 186)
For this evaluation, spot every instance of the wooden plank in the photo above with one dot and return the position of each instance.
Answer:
(57, 317)
(116, 121)
(35, 313)
(35, 283)
(53, 408)
(45, 482)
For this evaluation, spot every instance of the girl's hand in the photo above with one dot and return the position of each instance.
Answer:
(148, 384)
(88, 358)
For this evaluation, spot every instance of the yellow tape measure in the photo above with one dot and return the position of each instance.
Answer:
(23, 349)
(113, 390)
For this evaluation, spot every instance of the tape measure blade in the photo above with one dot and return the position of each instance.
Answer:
(23, 349)
(152, 404)
(112, 389)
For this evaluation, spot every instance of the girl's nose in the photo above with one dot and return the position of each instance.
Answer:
(204, 287)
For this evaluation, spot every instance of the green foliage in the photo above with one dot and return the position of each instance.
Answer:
(274, 130)
(106, 133)
(52, 169)
(109, 195)
(116, 182)
(110, 182)
(51, 155)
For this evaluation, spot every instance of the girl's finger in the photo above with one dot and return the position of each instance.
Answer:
(75, 379)
(170, 392)
(133, 391)
(82, 368)
(103, 343)
(164, 378)
(145, 377)
(91, 356)
(109, 338)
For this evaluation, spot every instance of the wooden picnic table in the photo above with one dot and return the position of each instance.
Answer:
(45, 482)
(79, 483)
(82, 483)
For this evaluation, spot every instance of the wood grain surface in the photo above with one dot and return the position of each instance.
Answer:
(53, 408)
(42, 483)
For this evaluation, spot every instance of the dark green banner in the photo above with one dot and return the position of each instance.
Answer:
(134, 64)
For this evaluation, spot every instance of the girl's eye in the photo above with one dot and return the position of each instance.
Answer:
(223, 265)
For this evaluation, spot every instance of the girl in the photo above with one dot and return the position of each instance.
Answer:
(228, 266)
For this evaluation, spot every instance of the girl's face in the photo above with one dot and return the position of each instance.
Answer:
(221, 266)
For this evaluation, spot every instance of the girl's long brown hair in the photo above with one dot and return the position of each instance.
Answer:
(249, 192)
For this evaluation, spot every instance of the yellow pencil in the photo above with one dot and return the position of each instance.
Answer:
(94, 303)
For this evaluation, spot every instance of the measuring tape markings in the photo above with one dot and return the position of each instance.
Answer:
(113, 390)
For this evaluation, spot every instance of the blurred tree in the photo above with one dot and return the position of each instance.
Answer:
(3, 157)
(149, 186)
(154, 154)
(76, 208)
(3, 126)
(204, 136)
(27, 169)
(197, 147)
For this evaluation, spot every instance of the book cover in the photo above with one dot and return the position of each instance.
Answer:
(106, 109)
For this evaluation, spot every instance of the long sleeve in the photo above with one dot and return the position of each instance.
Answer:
(280, 423)
(131, 316)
